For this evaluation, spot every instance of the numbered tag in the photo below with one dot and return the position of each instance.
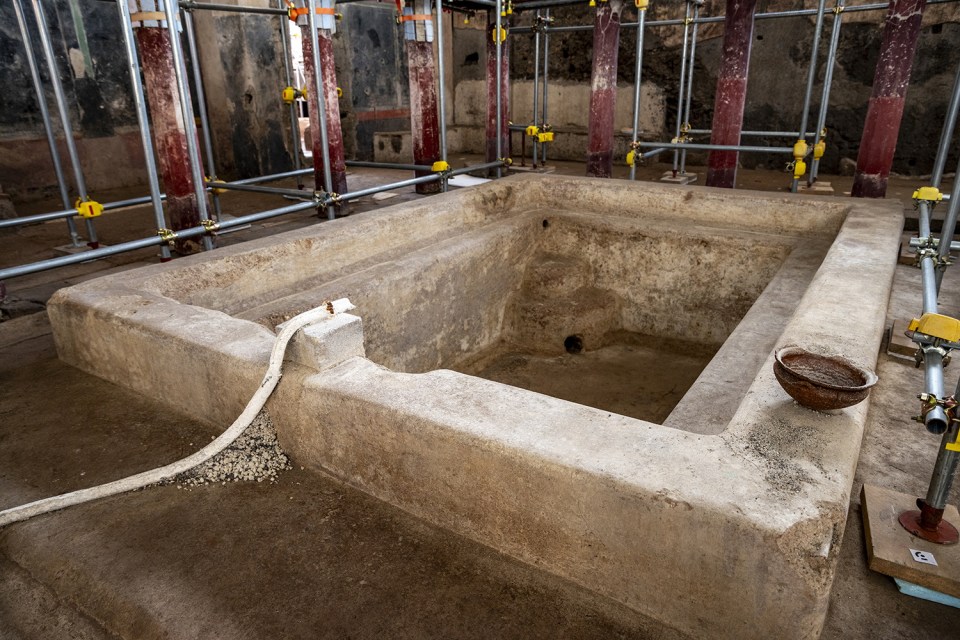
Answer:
(923, 556)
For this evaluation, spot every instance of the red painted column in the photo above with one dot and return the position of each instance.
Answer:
(603, 89)
(882, 126)
(169, 132)
(492, 90)
(338, 168)
(424, 118)
(731, 92)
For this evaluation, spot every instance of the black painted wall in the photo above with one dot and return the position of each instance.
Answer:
(97, 90)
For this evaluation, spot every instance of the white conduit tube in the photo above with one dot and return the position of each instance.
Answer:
(147, 478)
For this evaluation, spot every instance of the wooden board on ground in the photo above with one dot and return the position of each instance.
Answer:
(908, 255)
(890, 547)
(899, 345)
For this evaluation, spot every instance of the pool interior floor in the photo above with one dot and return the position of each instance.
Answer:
(641, 377)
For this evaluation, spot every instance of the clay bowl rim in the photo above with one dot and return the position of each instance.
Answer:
(871, 377)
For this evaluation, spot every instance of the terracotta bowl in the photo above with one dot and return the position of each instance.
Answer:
(822, 383)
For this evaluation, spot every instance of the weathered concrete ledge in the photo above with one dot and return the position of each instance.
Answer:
(727, 535)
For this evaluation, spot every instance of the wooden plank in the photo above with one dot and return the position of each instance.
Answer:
(908, 255)
(889, 544)
(899, 344)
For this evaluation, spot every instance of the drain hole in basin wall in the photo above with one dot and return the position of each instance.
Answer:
(546, 223)
(573, 344)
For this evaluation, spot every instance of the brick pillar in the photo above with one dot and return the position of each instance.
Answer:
(603, 88)
(168, 128)
(882, 126)
(731, 92)
(424, 118)
(326, 27)
(492, 90)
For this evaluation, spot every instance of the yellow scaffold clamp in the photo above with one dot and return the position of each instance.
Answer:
(503, 35)
(545, 136)
(641, 5)
(339, 92)
(215, 190)
(440, 166)
(632, 155)
(289, 94)
(928, 194)
(819, 149)
(533, 131)
(88, 208)
(935, 326)
(799, 153)
(168, 236)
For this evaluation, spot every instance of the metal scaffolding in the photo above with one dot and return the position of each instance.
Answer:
(205, 181)
(685, 134)
(203, 166)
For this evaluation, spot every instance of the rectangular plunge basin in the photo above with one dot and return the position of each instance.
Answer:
(575, 372)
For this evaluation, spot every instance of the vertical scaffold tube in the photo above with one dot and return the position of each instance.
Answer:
(689, 92)
(442, 90)
(61, 100)
(637, 77)
(202, 107)
(501, 38)
(171, 130)
(946, 133)
(825, 93)
(811, 76)
(140, 105)
(498, 87)
(536, 82)
(45, 115)
(687, 17)
(949, 227)
(186, 111)
(292, 107)
(544, 122)
(331, 174)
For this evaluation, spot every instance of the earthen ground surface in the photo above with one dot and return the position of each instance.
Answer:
(310, 557)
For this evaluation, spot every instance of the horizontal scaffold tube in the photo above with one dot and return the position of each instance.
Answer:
(193, 232)
(876, 6)
(230, 8)
(715, 147)
(389, 165)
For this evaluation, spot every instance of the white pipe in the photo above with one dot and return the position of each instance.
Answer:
(147, 478)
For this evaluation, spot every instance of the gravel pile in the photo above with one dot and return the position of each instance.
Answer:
(255, 456)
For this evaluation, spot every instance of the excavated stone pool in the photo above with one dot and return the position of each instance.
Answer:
(575, 372)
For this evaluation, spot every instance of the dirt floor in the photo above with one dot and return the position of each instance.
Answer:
(309, 557)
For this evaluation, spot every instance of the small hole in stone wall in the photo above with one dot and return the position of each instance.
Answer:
(472, 58)
(759, 37)
(546, 223)
(573, 344)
